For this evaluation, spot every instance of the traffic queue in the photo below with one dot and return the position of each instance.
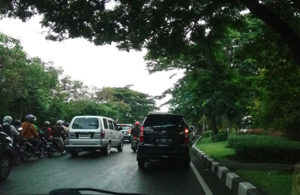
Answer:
(21, 141)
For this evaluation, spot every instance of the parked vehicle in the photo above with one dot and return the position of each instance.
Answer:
(6, 155)
(134, 144)
(126, 131)
(163, 136)
(91, 133)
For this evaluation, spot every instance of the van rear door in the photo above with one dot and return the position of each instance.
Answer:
(86, 128)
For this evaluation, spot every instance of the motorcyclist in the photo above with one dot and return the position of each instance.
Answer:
(8, 128)
(29, 132)
(46, 130)
(17, 125)
(135, 132)
(57, 132)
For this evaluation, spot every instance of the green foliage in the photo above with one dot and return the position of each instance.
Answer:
(207, 133)
(220, 136)
(216, 150)
(27, 85)
(163, 27)
(275, 182)
(265, 148)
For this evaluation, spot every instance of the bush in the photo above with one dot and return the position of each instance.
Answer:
(220, 136)
(265, 148)
(207, 133)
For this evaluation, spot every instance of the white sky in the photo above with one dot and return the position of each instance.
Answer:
(100, 66)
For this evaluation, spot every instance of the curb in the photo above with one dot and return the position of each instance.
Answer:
(234, 182)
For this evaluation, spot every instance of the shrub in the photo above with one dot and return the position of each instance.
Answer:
(220, 136)
(207, 133)
(265, 148)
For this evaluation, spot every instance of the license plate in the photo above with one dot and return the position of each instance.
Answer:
(84, 136)
(163, 140)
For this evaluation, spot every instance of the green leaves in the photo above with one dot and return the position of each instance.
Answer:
(28, 85)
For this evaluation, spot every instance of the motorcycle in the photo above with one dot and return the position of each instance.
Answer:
(134, 144)
(27, 150)
(53, 147)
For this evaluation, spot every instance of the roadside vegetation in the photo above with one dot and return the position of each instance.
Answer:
(241, 58)
(265, 161)
(29, 85)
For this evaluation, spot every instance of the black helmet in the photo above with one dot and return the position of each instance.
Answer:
(30, 118)
(66, 124)
(17, 122)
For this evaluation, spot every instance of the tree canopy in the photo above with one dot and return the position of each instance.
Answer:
(163, 27)
(241, 58)
(28, 85)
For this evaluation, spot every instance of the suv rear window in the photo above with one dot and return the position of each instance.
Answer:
(162, 120)
(85, 123)
(123, 127)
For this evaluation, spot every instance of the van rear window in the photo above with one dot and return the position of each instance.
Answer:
(161, 120)
(85, 123)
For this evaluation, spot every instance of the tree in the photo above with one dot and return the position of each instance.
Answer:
(26, 83)
(163, 27)
(139, 104)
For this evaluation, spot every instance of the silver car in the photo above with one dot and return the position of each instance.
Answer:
(91, 133)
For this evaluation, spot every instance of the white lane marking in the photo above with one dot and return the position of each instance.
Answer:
(201, 181)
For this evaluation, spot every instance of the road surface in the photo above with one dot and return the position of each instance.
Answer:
(116, 172)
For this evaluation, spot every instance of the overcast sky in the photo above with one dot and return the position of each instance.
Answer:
(100, 66)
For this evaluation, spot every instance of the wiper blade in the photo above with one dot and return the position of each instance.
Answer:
(76, 191)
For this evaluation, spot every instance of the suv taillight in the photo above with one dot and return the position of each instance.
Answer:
(186, 136)
(142, 134)
(102, 134)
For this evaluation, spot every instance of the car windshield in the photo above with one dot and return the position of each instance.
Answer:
(85, 123)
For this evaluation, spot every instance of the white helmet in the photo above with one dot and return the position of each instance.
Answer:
(59, 122)
(7, 119)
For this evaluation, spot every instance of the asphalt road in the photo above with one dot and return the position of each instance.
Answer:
(116, 172)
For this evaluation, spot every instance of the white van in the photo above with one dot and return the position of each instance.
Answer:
(91, 133)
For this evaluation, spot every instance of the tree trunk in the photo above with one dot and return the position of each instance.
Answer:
(285, 31)
(213, 124)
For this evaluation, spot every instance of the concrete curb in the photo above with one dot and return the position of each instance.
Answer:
(234, 182)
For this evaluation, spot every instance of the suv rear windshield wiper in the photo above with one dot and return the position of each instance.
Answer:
(76, 191)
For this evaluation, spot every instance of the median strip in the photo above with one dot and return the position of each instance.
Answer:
(233, 181)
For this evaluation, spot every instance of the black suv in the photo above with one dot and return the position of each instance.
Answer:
(164, 136)
(6, 155)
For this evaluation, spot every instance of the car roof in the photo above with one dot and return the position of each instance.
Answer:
(163, 113)
(125, 124)
(92, 116)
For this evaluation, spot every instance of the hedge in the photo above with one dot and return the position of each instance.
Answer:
(265, 148)
(207, 133)
(220, 136)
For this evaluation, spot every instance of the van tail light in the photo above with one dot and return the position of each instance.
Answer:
(186, 136)
(129, 131)
(102, 134)
(142, 134)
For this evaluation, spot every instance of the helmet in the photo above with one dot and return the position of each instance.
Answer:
(59, 122)
(30, 118)
(17, 122)
(7, 119)
(137, 123)
(66, 124)
(47, 123)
